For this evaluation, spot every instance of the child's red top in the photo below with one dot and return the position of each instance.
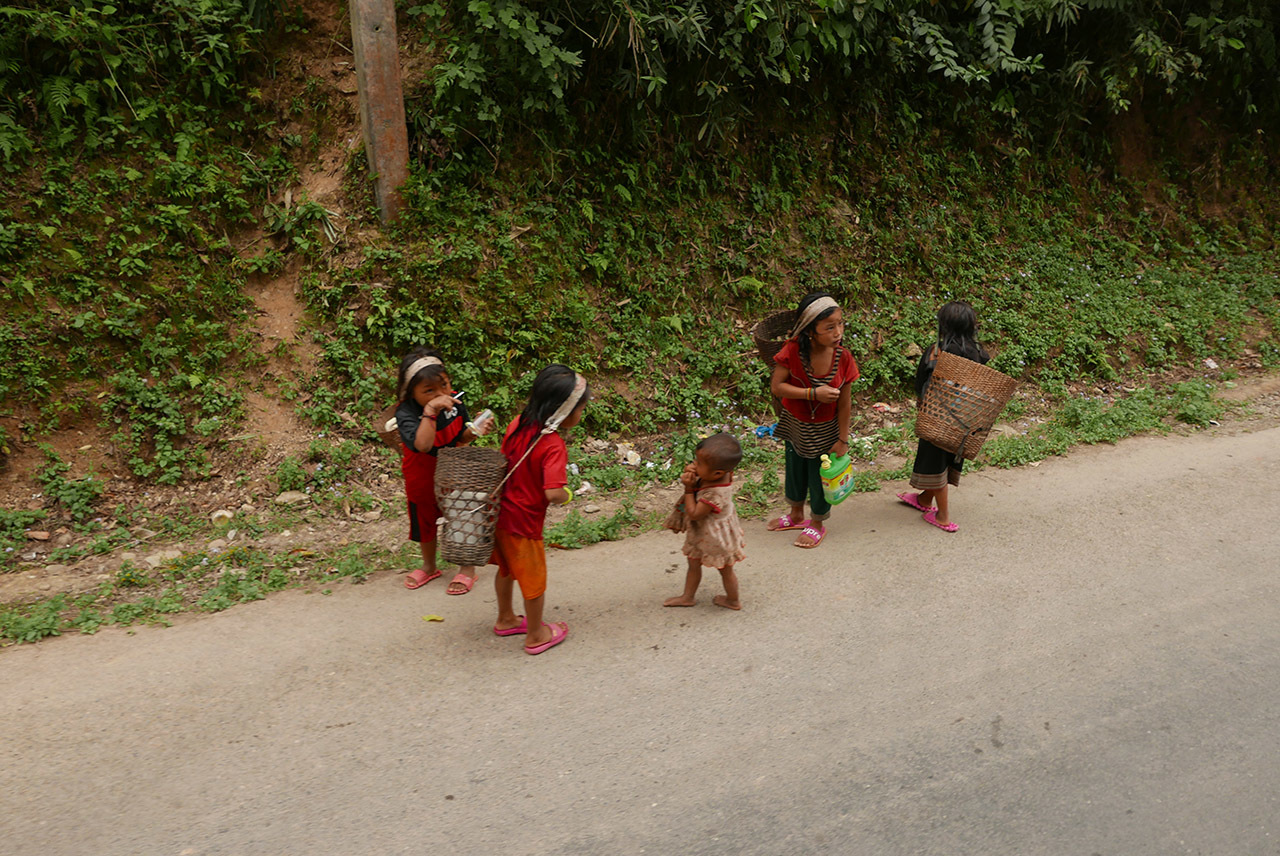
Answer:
(523, 509)
(419, 468)
(846, 372)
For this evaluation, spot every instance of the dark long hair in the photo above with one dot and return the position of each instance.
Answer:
(551, 388)
(957, 331)
(802, 340)
(405, 385)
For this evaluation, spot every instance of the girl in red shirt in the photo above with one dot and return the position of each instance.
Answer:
(537, 460)
(812, 377)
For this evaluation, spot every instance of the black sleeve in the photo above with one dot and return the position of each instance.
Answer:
(408, 417)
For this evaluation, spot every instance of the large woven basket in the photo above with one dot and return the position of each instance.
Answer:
(467, 483)
(772, 333)
(961, 403)
(391, 438)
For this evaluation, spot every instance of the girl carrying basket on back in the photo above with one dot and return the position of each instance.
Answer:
(813, 377)
(936, 468)
(537, 461)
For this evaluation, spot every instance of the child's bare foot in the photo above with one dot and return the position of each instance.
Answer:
(723, 600)
(680, 601)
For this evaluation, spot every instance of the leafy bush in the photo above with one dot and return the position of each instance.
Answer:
(291, 475)
(76, 496)
(648, 64)
(89, 69)
(31, 624)
(578, 531)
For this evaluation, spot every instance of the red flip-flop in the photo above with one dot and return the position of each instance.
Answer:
(559, 632)
(931, 517)
(464, 580)
(419, 578)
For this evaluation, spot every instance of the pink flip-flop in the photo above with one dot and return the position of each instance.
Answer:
(419, 578)
(463, 580)
(784, 523)
(815, 536)
(931, 517)
(559, 632)
(522, 627)
(913, 500)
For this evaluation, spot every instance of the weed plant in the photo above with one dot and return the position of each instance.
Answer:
(75, 496)
(200, 581)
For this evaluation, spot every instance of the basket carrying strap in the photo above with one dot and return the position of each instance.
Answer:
(964, 441)
(553, 424)
(968, 430)
(497, 491)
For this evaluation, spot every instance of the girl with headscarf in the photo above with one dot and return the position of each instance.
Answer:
(813, 376)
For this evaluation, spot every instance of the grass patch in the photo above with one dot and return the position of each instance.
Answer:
(196, 582)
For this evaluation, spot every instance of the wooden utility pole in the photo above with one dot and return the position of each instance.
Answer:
(386, 138)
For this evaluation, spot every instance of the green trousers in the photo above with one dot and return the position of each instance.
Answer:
(804, 481)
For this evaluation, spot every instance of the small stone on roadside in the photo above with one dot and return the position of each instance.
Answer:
(157, 559)
(591, 508)
(38, 535)
(292, 497)
(222, 515)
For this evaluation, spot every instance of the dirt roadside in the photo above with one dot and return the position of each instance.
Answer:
(249, 496)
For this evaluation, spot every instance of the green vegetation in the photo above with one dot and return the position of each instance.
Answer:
(136, 147)
(152, 178)
(201, 581)
(667, 282)
(75, 496)
(1038, 68)
(1096, 420)
(626, 188)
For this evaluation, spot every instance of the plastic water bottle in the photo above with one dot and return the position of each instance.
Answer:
(482, 418)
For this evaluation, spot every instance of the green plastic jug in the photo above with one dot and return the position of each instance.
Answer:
(837, 478)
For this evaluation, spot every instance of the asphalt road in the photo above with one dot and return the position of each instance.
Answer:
(1090, 666)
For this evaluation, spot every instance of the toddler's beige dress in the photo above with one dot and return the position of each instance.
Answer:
(716, 540)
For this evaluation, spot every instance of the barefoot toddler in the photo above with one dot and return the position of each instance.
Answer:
(707, 516)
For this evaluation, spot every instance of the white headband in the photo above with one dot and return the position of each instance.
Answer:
(418, 365)
(563, 411)
(811, 312)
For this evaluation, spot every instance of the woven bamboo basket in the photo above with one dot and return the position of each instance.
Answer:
(391, 438)
(467, 482)
(961, 403)
(772, 333)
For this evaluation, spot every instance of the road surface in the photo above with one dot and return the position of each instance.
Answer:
(1090, 666)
